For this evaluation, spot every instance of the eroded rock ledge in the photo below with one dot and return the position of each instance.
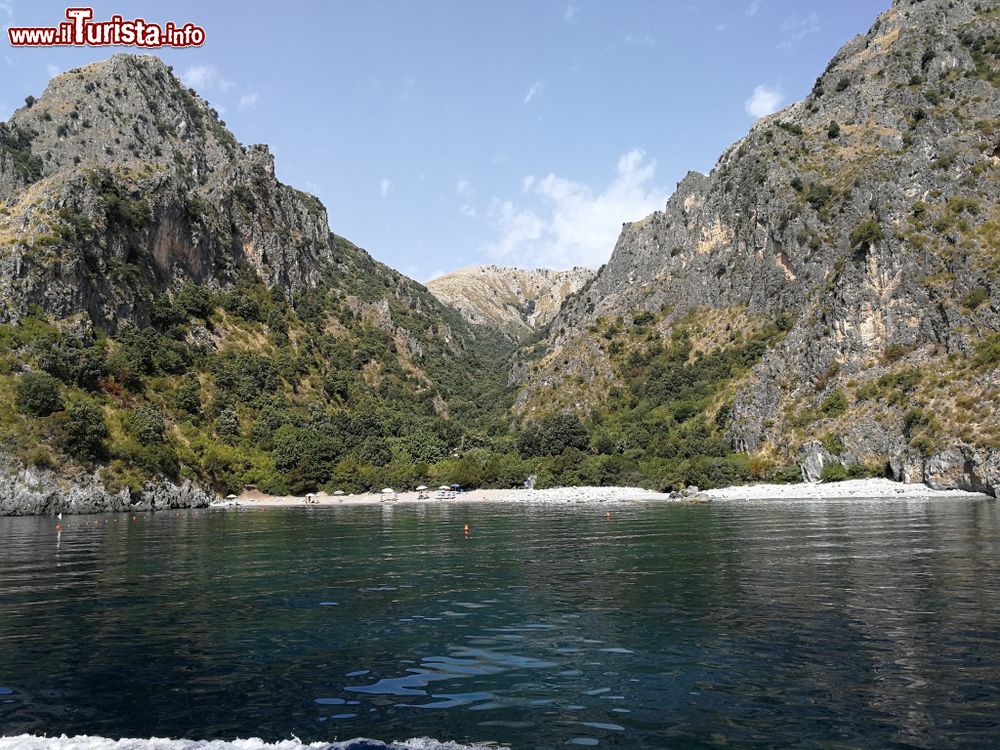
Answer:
(29, 491)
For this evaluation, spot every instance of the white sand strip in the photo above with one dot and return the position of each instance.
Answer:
(852, 488)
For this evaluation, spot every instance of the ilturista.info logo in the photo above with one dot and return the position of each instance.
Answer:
(80, 30)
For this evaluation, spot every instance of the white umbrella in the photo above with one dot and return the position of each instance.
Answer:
(230, 497)
(309, 494)
(387, 490)
(444, 487)
(421, 488)
(339, 492)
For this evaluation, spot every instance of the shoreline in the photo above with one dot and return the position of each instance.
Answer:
(849, 489)
(846, 490)
(566, 495)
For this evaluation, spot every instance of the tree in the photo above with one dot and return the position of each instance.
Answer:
(147, 423)
(194, 300)
(85, 431)
(227, 425)
(562, 431)
(834, 130)
(188, 395)
(38, 394)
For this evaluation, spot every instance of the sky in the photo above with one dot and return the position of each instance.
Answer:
(447, 133)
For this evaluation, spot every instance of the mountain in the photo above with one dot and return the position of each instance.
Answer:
(514, 301)
(830, 288)
(170, 310)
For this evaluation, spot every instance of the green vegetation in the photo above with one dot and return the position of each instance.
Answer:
(665, 429)
(866, 233)
(988, 352)
(16, 143)
(835, 404)
(819, 196)
(985, 51)
(975, 298)
(38, 394)
(296, 395)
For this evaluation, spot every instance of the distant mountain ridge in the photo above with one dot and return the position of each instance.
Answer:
(515, 301)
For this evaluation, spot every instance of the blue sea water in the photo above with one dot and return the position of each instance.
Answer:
(870, 624)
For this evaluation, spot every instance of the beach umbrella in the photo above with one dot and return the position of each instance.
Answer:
(339, 492)
(444, 487)
(421, 488)
(387, 490)
(230, 497)
(309, 494)
(455, 486)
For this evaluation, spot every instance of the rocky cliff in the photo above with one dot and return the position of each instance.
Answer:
(865, 222)
(514, 301)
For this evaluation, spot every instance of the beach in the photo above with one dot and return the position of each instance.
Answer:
(854, 488)
(567, 495)
(846, 490)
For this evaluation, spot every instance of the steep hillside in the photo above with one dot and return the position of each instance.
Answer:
(863, 225)
(170, 309)
(514, 301)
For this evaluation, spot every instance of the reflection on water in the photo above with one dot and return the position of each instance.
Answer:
(795, 624)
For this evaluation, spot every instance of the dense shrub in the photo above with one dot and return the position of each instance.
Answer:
(866, 233)
(85, 432)
(38, 394)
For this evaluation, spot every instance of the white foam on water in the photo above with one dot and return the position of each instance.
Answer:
(84, 742)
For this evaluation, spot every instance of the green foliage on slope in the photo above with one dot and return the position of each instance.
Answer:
(348, 386)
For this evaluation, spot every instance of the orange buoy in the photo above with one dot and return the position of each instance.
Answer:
(466, 529)
(609, 515)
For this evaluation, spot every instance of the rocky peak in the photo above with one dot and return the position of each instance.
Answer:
(119, 170)
(122, 110)
(515, 301)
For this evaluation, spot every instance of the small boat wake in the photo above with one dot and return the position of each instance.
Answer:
(83, 742)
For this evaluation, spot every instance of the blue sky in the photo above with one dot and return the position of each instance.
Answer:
(442, 134)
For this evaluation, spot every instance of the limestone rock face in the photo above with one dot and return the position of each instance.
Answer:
(812, 458)
(31, 491)
(514, 301)
(864, 218)
(959, 466)
(118, 183)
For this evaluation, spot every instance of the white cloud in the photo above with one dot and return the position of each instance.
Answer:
(753, 7)
(573, 225)
(248, 101)
(534, 91)
(409, 86)
(52, 70)
(204, 78)
(8, 8)
(464, 187)
(797, 29)
(467, 209)
(499, 158)
(385, 186)
(527, 182)
(643, 40)
(765, 100)
(570, 12)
